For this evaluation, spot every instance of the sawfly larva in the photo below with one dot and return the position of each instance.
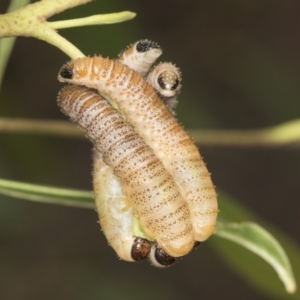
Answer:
(149, 188)
(140, 56)
(146, 112)
(165, 79)
(116, 215)
(117, 220)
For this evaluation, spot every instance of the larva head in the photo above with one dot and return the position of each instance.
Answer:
(146, 45)
(165, 78)
(159, 258)
(66, 72)
(140, 56)
(140, 249)
(80, 71)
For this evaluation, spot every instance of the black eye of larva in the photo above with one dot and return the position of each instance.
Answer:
(168, 80)
(66, 72)
(140, 249)
(163, 258)
(145, 45)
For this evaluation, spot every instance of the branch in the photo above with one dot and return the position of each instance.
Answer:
(30, 21)
(285, 134)
(40, 127)
(278, 136)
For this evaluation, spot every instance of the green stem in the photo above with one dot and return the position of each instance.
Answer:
(93, 20)
(40, 127)
(30, 21)
(7, 44)
(284, 134)
(278, 136)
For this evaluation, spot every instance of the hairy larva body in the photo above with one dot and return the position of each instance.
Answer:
(149, 188)
(165, 78)
(145, 111)
(140, 56)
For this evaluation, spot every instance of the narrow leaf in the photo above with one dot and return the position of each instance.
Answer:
(259, 241)
(46, 194)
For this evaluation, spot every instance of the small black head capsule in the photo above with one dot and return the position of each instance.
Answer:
(145, 45)
(140, 249)
(159, 258)
(66, 72)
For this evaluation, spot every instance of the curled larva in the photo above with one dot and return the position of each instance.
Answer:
(165, 79)
(140, 56)
(115, 214)
(151, 119)
(149, 188)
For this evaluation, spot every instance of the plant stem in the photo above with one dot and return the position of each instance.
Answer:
(93, 20)
(284, 134)
(7, 44)
(40, 127)
(278, 136)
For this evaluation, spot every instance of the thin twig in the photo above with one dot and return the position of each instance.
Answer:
(40, 127)
(277, 136)
(93, 20)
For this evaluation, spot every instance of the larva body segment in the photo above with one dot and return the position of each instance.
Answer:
(149, 188)
(145, 111)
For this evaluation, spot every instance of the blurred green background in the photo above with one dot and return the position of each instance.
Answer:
(240, 64)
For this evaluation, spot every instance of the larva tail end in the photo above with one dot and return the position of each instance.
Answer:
(159, 258)
(203, 233)
(66, 72)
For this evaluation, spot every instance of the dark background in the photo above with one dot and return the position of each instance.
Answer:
(240, 64)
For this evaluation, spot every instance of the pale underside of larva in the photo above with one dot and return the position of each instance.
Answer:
(146, 112)
(116, 214)
(150, 189)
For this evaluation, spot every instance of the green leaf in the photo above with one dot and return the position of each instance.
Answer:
(46, 194)
(251, 267)
(251, 236)
(259, 241)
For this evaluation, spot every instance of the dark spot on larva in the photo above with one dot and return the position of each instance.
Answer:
(140, 249)
(163, 258)
(145, 45)
(66, 72)
(196, 244)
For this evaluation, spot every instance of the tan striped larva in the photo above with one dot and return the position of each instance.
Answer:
(163, 213)
(165, 77)
(145, 111)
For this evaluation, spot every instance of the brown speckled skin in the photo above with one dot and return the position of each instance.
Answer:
(145, 111)
(151, 190)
